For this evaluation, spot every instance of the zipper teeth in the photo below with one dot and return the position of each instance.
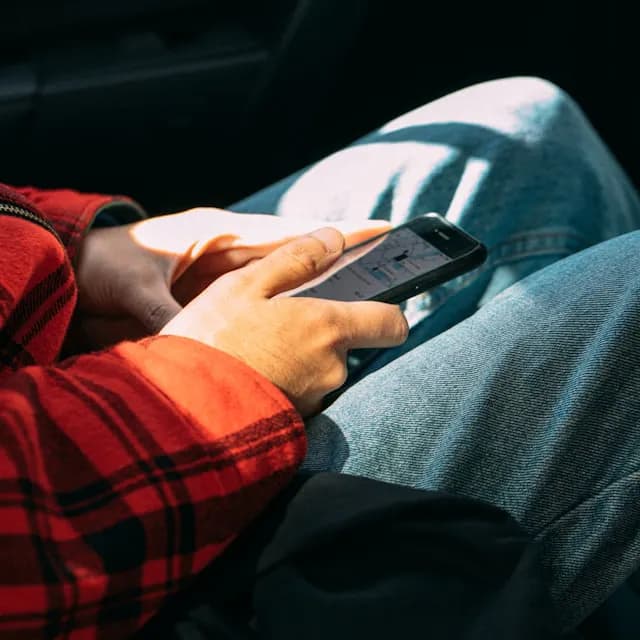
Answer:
(20, 212)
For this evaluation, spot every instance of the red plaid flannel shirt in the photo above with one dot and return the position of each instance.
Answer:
(124, 472)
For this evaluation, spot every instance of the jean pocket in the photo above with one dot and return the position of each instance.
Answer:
(507, 262)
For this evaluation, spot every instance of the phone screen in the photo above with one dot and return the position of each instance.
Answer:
(370, 268)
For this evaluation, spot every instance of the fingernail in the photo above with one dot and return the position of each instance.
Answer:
(332, 239)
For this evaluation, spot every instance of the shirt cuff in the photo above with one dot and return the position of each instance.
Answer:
(114, 214)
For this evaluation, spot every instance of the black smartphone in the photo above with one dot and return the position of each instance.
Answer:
(399, 263)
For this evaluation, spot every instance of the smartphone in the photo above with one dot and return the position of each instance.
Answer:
(399, 263)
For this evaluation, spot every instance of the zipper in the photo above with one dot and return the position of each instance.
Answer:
(16, 211)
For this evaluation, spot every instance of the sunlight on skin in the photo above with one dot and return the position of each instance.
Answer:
(190, 235)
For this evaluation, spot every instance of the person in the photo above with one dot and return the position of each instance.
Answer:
(126, 471)
(129, 469)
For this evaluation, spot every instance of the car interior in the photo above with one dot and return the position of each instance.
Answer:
(180, 103)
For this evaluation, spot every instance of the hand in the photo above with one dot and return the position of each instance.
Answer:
(133, 279)
(300, 344)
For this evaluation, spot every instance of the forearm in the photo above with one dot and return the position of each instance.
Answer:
(124, 473)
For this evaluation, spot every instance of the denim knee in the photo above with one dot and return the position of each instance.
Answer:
(531, 109)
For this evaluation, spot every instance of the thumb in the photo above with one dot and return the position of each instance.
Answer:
(153, 306)
(296, 262)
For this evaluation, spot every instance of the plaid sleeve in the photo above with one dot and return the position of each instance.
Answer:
(124, 473)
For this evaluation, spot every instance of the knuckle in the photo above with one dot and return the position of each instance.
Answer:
(157, 316)
(338, 332)
(236, 280)
(339, 339)
(336, 377)
(304, 262)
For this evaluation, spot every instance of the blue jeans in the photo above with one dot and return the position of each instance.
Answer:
(520, 382)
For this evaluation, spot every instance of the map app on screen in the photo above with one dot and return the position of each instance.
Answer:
(374, 267)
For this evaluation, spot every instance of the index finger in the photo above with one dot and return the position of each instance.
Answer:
(372, 324)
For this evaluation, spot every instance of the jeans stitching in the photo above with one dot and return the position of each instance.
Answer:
(592, 498)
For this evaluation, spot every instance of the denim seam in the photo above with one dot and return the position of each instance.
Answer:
(531, 238)
(542, 234)
(593, 498)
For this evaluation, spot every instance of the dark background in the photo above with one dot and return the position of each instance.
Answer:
(187, 102)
